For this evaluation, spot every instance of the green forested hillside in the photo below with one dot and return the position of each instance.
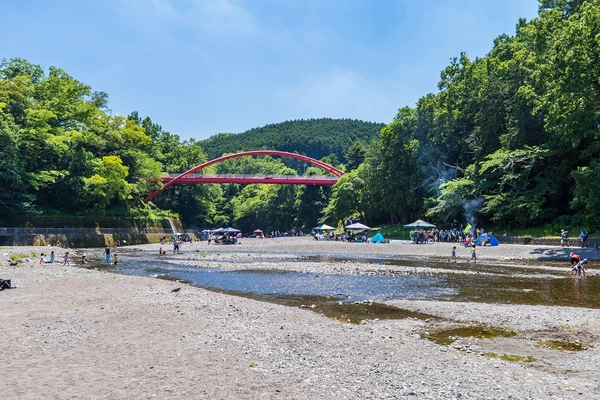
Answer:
(315, 138)
(512, 138)
(64, 155)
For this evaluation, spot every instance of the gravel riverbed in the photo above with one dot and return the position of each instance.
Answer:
(71, 332)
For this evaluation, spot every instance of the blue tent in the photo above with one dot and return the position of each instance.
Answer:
(480, 240)
(378, 238)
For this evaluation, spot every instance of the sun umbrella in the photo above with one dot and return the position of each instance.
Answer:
(420, 224)
(357, 226)
(324, 228)
(258, 231)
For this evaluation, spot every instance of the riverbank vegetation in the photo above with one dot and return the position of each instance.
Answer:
(509, 140)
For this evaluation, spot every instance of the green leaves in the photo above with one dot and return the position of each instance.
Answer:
(42, 179)
(108, 183)
(346, 199)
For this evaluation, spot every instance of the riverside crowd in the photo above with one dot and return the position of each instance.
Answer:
(453, 235)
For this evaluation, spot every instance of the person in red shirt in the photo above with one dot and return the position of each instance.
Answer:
(574, 258)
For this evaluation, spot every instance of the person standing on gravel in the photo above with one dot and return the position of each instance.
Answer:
(584, 238)
(564, 238)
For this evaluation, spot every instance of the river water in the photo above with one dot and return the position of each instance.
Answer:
(536, 283)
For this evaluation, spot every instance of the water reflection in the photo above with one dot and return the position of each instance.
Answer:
(538, 283)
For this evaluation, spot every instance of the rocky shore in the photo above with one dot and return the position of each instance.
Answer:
(71, 332)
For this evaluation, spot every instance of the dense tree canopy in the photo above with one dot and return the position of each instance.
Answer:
(514, 133)
(315, 138)
(509, 138)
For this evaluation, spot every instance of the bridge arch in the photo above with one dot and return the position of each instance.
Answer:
(332, 170)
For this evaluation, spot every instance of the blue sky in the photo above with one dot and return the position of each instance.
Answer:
(201, 67)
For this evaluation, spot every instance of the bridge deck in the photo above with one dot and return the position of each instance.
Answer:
(249, 179)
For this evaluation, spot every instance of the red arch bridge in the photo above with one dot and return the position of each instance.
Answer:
(190, 177)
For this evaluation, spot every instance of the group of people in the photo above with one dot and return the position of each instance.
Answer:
(324, 235)
(224, 239)
(50, 260)
(453, 235)
(352, 237)
(454, 257)
(578, 265)
(583, 237)
(349, 236)
(107, 256)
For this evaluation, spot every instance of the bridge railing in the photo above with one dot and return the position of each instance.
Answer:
(193, 175)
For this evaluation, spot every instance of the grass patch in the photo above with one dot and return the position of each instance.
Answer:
(396, 232)
(446, 337)
(562, 345)
(511, 358)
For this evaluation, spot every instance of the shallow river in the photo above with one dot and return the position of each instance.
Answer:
(547, 283)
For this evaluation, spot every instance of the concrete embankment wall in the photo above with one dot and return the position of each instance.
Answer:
(78, 240)
(571, 242)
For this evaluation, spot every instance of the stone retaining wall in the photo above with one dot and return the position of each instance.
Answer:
(82, 240)
(571, 242)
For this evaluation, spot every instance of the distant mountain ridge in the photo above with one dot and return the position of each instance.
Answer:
(315, 138)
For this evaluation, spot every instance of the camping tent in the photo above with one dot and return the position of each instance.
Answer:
(378, 238)
(357, 227)
(419, 224)
(480, 240)
(230, 230)
(323, 228)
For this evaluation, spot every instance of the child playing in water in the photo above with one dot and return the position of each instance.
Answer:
(574, 258)
(473, 255)
(579, 269)
(115, 259)
(453, 254)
